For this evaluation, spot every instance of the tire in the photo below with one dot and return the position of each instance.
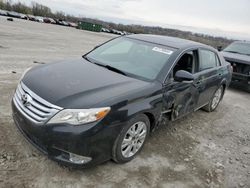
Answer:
(215, 100)
(128, 145)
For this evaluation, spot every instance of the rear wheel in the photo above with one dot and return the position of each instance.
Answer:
(215, 100)
(131, 139)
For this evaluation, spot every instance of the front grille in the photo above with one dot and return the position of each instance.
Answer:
(233, 65)
(239, 67)
(32, 106)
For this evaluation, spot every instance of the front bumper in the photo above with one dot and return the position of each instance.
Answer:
(241, 80)
(94, 140)
(240, 77)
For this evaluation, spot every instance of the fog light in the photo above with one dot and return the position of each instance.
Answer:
(78, 159)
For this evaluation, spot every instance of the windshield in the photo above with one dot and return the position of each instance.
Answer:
(237, 47)
(133, 57)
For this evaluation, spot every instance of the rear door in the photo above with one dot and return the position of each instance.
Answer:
(208, 76)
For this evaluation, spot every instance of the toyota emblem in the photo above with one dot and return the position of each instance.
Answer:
(26, 99)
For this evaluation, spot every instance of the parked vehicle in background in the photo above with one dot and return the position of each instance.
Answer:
(72, 24)
(31, 17)
(3, 13)
(39, 19)
(46, 20)
(117, 32)
(238, 55)
(49, 20)
(64, 23)
(61, 22)
(105, 30)
(125, 33)
(52, 21)
(103, 106)
(23, 16)
(10, 19)
(13, 14)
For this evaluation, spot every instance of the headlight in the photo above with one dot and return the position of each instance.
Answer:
(24, 73)
(79, 116)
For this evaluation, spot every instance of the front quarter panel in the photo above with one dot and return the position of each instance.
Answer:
(147, 100)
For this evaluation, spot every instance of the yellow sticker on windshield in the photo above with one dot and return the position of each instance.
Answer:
(162, 50)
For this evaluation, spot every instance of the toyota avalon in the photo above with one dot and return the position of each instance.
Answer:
(104, 105)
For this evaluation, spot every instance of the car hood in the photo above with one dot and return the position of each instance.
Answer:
(237, 58)
(78, 84)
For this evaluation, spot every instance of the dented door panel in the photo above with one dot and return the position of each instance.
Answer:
(180, 97)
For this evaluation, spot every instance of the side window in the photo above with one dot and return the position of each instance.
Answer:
(208, 59)
(187, 62)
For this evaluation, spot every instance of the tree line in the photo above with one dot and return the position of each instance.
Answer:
(38, 9)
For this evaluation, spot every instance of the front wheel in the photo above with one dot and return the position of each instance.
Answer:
(215, 100)
(131, 139)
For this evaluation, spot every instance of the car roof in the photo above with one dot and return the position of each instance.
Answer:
(167, 41)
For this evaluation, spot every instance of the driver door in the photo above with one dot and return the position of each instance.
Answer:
(181, 97)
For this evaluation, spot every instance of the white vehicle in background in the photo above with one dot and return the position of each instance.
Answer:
(23, 16)
(72, 24)
(3, 13)
(105, 30)
(13, 14)
(52, 21)
(39, 19)
(117, 32)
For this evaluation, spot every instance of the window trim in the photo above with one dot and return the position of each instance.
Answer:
(169, 76)
(218, 63)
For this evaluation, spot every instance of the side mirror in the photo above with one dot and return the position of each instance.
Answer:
(219, 48)
(183, 75)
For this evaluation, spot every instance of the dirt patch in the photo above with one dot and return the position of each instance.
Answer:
(2, 46)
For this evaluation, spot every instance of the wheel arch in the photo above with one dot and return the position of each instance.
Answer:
(152, 120)
(224, 85)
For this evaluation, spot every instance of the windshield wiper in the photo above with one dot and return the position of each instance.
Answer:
(115, 70)
(232, 52)
(111, 68)
(106, 66)
(236, 52)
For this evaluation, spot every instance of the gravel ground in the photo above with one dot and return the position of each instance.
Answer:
(201, 150)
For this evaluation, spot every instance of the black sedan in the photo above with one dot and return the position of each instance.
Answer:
(104, 105)
(238, 55)
(13, 14)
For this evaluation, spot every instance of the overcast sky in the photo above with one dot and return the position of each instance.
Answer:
(230, 18)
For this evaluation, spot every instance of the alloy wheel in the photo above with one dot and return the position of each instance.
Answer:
(133, 139)
(217, 97)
